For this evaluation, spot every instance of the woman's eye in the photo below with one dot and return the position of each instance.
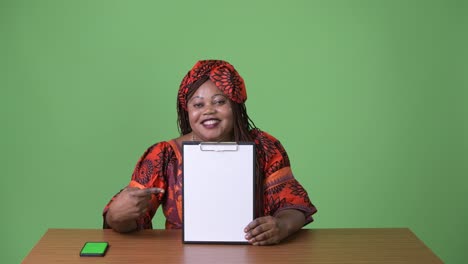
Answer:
(198, 105)
(220, 102)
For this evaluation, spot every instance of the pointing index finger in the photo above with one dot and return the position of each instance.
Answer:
(147, 192)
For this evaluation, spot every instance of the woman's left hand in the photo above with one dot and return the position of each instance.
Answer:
(266, 230)
(269, 230)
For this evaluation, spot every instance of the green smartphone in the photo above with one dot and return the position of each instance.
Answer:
(94, 249)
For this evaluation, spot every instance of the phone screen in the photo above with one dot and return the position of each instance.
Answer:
(94, 249)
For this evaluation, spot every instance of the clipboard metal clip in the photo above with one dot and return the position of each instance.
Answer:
(218, 146)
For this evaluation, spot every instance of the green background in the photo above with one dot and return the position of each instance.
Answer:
(368, 97)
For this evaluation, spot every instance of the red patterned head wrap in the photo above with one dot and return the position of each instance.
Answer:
(221, 73)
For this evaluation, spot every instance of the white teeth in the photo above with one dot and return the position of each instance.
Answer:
(210, 122)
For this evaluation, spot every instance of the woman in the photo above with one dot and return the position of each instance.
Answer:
(211, 107)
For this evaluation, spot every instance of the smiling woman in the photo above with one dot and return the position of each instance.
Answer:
(210, 114)
(211, 107)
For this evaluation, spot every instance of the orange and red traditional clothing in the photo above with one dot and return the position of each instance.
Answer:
(161, 166)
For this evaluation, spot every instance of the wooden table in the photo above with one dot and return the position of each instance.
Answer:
(373, 245)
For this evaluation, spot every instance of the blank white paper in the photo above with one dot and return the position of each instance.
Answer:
(218, 192)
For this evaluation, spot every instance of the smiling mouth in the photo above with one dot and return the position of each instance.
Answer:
(210, 123)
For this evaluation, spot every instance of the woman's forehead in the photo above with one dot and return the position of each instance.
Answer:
(207, 90)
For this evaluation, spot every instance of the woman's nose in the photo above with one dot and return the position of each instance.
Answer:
(210, 109)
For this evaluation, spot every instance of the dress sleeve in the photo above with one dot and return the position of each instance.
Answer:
(281, 190)
(148, 173)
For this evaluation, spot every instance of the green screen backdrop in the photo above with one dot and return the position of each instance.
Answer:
(368, 97)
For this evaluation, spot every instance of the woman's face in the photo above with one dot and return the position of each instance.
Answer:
(210, 114)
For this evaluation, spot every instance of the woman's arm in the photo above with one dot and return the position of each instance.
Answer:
(286, 204)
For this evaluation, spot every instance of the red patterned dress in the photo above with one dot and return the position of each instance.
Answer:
(161, 166)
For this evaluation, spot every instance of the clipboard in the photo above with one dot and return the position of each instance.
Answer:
(218, 191)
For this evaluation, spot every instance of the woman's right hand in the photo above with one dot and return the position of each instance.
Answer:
(128, 206)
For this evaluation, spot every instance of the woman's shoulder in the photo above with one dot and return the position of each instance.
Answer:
(167, 148)
(261, 136)
(269, 147)
(160, 145)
